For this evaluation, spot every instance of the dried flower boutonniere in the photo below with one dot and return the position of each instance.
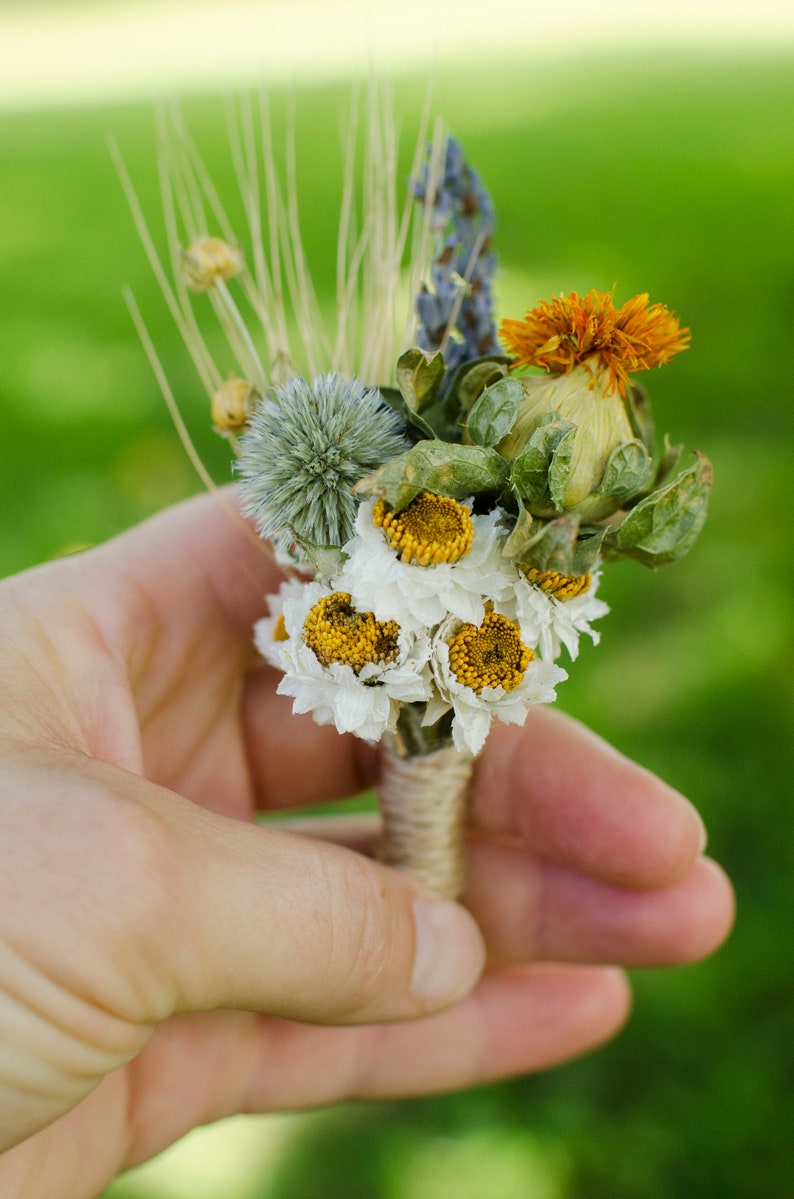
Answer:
(444, 494)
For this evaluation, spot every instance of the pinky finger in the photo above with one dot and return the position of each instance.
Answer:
(518, 1020)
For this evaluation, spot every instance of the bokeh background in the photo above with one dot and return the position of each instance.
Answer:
(651, 149)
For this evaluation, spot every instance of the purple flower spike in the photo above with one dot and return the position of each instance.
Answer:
(455, 306)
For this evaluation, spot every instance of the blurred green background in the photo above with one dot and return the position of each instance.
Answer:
(667, 174)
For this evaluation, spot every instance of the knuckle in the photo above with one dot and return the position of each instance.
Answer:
(104, 872)
(135, 882)
(376, 935)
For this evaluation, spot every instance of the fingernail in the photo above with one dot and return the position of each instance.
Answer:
(704, 836)
(449, 951)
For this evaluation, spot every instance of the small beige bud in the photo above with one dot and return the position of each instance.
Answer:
(232, 404)
(209, 259)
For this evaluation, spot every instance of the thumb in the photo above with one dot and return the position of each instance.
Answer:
(267, 920)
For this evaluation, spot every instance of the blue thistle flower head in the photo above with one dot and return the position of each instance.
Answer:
(304, 449)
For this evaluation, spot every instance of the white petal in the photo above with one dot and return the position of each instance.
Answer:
(470, 727)
(355, 707)
(467, 607)
(420, 596)
(265, 642)
(436, 708)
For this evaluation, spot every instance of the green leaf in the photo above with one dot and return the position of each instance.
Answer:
(587, 551)
(638, 410)
(553, 545)
(520, 537)
(628, 471)
(493, 414)
(471, 379)
(558, 544)
(664, 526)
(530, 470)
(415, 424)
(560, 468)
(419, 377)
(326, 559)
(438, 466)
(392, 397)
(668, 461)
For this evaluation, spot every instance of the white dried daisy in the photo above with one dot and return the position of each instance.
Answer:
(554, 610)
(341, 664)
(485, 671)
(431, 559)
(270, 632)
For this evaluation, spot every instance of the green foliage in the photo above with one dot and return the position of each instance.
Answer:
(533, 470)
(664, 526)
(493, 413)
(469, 382)
(440, 466)
(560, 468)
(628, 470)
(638, 409)
(419, 377)
(557, 544)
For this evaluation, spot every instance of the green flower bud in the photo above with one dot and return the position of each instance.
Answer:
(586, 406)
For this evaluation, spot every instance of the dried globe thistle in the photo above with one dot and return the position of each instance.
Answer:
(303, 451)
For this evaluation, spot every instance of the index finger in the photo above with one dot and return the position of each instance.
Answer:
(196, 561)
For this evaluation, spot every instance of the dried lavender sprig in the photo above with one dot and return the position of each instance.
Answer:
(455, 306)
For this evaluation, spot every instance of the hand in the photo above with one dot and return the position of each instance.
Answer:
(164, 962)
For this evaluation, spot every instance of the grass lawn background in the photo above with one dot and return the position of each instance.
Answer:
(668, 175)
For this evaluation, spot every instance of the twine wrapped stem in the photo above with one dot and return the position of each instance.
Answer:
(423, 799)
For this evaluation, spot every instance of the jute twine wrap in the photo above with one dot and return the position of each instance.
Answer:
(423, 802)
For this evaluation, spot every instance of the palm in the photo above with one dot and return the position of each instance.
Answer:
(207, 722)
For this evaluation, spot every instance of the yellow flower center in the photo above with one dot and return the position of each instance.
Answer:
(280, 629)
(562, 587)
(492, 655)
(336, 632)
(432, 529)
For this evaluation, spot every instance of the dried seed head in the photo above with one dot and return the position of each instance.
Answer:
(232, 404)
(492, 655)
(208, 260)
(336, 632)
(432, 529)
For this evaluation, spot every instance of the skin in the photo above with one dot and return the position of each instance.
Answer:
(164, 962)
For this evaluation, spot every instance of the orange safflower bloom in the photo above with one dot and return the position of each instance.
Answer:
(561, 333)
